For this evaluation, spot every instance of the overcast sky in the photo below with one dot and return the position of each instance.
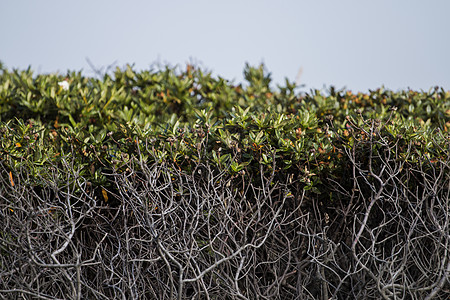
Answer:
(355, 44)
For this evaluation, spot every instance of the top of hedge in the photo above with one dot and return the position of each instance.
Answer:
(184, 116)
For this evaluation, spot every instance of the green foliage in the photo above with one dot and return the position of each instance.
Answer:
(187, 116)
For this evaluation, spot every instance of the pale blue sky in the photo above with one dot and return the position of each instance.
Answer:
(357, 44)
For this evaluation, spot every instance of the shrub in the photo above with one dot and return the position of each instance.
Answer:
(175, 184)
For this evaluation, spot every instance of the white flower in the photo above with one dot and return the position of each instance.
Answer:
(64, 84)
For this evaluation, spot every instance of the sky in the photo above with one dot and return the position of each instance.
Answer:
(353, 44)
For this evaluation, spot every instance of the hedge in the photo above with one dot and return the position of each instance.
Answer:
(174, 183)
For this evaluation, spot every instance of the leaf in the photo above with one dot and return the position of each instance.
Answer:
(11, 178)
(259, 137)
(105, 195)
(72, 121)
